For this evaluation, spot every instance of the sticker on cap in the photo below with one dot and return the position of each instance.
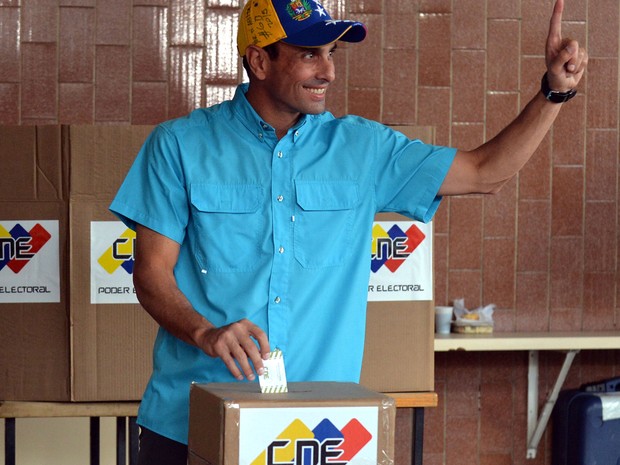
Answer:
(299, 10)
(273, 379)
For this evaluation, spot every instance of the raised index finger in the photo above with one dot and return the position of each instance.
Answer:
(555, 25)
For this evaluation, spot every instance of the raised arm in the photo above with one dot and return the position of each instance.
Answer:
(487, 168)
(157, 290)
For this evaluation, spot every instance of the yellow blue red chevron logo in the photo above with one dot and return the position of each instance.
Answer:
(119, 254)
(392, 247)
(18, 246)
(324, 444)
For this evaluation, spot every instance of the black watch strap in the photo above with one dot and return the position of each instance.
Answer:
(554, 96)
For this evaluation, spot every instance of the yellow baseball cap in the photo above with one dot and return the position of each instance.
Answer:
(304, 23)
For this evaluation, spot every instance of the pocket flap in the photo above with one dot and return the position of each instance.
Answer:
(221, 198)
(327, 195)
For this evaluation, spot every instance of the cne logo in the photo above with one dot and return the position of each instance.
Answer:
(119, 254)
(392, 247)
(323, 445)
(18, 246)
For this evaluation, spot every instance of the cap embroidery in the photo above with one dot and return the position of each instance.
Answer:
(299, 10)
(331, 22)
(319, 9)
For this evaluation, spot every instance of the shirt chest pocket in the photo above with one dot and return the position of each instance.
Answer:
(323, 219)
(228, 225)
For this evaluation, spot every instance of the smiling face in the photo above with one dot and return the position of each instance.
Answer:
(292, 83)
(299, 77)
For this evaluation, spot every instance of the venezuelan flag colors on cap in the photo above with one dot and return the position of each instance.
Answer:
(304, 23)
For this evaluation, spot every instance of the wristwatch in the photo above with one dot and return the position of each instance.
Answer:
(555, 96)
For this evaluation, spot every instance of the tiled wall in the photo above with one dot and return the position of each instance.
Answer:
(545, 250)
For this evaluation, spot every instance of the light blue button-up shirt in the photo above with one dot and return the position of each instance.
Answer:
(276, 231)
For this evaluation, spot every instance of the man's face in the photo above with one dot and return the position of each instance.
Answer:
(299, 77)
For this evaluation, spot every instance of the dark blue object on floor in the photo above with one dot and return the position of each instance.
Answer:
(580, 435)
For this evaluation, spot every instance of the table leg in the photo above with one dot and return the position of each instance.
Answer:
(9, 441)
(134, 441)
(121, 440)
(417, 440)
(95, 428)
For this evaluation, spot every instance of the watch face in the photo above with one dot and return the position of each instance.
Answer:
(560, 97)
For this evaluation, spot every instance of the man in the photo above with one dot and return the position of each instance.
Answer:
(254, 216)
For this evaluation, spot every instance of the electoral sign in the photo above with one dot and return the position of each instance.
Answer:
(401, 266)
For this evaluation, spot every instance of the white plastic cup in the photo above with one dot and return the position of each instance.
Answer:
(443, 319)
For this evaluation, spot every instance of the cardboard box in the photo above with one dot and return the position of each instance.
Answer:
(111, 340)
(34, 323)
(399, 348)
(234, 424)
(69, 349)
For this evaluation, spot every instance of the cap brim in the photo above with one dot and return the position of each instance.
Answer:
(326, 32)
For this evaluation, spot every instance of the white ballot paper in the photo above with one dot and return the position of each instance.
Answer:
(273, 379)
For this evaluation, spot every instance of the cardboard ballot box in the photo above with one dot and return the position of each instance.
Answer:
(59, 341)
(315, 422)
(399, 347)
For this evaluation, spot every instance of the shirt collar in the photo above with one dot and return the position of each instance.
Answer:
(253, 122)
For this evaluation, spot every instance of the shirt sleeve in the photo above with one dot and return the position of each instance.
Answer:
(153, 193)
(409, 175)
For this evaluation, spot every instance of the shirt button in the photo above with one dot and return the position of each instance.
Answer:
(277, 300)
(281, 249)
(280, 198)
(280, 154)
